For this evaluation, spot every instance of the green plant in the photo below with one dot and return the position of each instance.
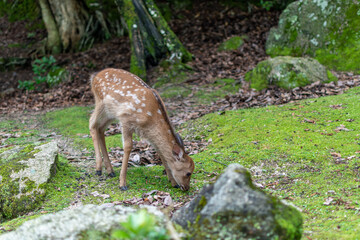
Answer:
(46, 72)
(140, 225)
(267, 4)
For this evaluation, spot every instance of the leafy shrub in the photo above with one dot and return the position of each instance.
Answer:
(46, 72)
(141, 225)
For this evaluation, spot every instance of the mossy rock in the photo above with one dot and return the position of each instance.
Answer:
(232, 208)
(232, 43)
(89, 222)
(325, 29)
(24, 171)
(287, 73)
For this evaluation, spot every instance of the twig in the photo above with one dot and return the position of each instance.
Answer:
(219, 162)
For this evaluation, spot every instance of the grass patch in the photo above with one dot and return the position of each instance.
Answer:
(218, 90)
(294, 152)
(73, 122)
(305, 152)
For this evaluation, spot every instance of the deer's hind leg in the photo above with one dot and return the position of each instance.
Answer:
(105, 154)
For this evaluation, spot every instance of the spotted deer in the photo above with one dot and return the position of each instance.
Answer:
(120, 95)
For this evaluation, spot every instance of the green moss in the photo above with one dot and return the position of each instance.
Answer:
(201, 204)
(258, 76)
(287, 73)
(232, 43)
(175, 92)
(289, 78)
(288, 221)
(13, 198)
(337, 47)
(343, 52)
(172, 73)
(209, 93)
(331, 77)
(292, 157)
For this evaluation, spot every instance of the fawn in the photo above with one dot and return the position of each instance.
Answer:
(120, 95)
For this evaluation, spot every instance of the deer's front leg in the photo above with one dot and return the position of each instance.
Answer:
(127, 144)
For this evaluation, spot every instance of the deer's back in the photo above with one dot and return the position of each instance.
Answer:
(124, 96)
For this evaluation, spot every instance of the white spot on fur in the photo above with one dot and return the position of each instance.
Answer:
(134, 97)
(143, 105)
(159, 111)
(139, 110)
(129, 105)
(149, 113)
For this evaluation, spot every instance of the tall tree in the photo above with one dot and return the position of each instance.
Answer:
(150, 36)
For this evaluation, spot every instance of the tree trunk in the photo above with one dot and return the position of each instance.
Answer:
(71, 17)
(53, 42)
(150, 36)
(66, 20)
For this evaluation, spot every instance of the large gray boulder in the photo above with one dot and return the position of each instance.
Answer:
(24, 171)
(233, 208)
(76, 223)
(287, 73)
(325, 29)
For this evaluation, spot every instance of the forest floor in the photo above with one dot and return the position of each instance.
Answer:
(212, 83)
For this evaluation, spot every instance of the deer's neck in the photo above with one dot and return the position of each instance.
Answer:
(162, 139)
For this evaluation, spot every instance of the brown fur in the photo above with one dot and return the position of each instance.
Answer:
(120, 95)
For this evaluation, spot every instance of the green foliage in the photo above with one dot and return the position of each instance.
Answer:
(46, 72)
(20, 10)
(267, 4)
(141, 225)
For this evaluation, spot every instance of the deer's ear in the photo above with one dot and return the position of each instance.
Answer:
(177, 152)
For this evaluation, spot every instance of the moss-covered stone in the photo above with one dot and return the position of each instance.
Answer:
(233, 208)
(232, 43)
(288, 72)
(325, 29)
(95, 222)
(24, 171)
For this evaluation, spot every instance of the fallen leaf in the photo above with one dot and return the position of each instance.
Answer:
(328, 201)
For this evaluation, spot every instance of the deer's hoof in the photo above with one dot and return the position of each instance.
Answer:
(123, 188)
(112, 174)
(176, 186)
(98, 173)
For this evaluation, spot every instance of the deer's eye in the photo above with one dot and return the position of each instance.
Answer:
(188, 174)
